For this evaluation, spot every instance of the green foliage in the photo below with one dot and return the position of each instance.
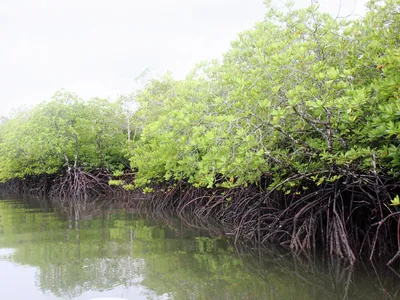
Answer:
(299, 93)
(65, 132)
(115, 182)
(395, 201)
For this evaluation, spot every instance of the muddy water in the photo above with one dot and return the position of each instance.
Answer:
(46, 253)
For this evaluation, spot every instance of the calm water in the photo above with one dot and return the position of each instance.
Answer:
(49, 254)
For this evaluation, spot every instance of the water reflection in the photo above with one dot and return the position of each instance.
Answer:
(111, 253)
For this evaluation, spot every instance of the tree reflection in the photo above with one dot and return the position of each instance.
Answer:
(102, 249)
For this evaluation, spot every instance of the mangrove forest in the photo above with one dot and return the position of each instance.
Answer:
(291, 138)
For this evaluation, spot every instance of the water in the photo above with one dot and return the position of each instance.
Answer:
(46, 253)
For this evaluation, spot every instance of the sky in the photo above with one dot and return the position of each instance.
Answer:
(98, 47)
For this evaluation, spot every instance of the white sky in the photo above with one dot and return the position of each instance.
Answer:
(97, 47)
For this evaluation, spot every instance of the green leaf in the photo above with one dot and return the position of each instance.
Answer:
(395, 201)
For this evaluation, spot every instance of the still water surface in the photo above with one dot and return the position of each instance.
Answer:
(46, 253)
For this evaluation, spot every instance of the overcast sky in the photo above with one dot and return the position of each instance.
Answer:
(98, 47)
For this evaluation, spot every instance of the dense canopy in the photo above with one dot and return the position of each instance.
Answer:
(303, 103)
(299, 93)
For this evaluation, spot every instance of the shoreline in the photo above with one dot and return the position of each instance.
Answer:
(338, 219)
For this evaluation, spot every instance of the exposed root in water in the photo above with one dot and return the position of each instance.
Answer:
(316, 271)
(346, 220)
(79, 184)
(35, 186)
